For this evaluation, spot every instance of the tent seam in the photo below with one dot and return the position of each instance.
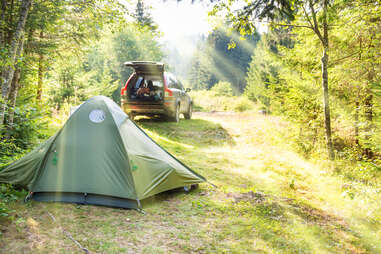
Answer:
(124, 148)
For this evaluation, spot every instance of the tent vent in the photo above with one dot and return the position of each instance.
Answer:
(97, 116)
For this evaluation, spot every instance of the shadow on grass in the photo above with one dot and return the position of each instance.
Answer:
(170, 196)
(196, 132)
(278, 221)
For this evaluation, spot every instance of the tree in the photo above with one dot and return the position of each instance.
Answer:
(143, 17)
(214, 61)
(14, 45)
(354, 69)
(32, 38)
(100, 69)
(316, 16)
(262, 73)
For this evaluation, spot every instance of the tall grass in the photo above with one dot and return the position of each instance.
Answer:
(207, 100)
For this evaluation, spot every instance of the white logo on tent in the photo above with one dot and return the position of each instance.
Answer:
(97, 116)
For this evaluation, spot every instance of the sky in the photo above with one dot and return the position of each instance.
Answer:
(180, 19)
(181, 24)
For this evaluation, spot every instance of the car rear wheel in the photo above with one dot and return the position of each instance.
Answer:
(188, 115)
(176, 115)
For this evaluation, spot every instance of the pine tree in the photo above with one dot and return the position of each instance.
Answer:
(143, 16)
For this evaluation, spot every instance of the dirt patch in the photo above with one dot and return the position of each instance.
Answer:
(253, 197)
(317, 216)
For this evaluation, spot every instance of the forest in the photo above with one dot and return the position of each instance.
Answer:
(316, 66)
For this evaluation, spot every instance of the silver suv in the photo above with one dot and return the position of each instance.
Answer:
(151, 91)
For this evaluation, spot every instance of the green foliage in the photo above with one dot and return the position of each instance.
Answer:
(215, 61)
(7, 195)
(100, 69)
(243, 104)
(223, 88)
(143, 17)
(206, 100)
(28, 123)
(284, 77)
(26, 130)
(8, 149)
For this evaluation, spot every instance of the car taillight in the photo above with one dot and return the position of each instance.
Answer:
(123, 91)
(168, 93)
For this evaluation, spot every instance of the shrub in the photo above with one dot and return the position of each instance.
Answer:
(7, 194)
(8, 149)
(204, 100)
(243, 104)
(223, 88)
(26, 128)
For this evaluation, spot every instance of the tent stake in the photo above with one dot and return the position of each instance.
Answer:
(27, 198)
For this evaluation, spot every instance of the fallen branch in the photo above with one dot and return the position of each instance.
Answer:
(68, 235)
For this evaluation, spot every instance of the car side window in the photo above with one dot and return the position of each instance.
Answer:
(172, 83)
(181, 87)
(169, 81)
(176, 84)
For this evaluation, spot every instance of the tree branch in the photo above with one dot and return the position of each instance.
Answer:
(277, 24)
(287, 25)
(316, 27)
(307, 16)
(345, 57)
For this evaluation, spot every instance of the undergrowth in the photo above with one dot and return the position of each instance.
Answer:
(208, 100)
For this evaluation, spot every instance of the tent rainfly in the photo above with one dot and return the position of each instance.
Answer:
(99, 157)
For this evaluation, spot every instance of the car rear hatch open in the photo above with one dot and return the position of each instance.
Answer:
(146, 67)
(145, 73)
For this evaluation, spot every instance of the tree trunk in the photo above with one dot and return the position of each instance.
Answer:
(2, 20)
(40, 72)
(327, 113)
(8, 74)
(369, 124)
(357, 123)
(10, 23)
(324, 67)
(14, 87)
(357, 103)
(12, 97)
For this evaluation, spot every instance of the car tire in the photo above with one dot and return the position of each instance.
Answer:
(176, 115)
(188, 115)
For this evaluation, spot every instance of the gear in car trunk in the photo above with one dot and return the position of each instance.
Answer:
(147, 84)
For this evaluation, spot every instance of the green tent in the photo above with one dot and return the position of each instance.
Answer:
(99, 157)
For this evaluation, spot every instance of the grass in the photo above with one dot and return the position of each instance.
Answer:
(208, 100)
(269, 200)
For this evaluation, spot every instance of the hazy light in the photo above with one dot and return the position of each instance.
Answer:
(180, 19)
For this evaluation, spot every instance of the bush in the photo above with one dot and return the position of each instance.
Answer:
(7, 194)
(204, 100)
(243, 104)
(223, 88)
(8, 149)
(25, 130)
